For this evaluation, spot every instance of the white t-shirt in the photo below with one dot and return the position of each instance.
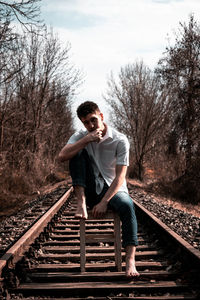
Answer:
(112, 150)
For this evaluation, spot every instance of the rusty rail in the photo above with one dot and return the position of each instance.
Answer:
(55, 268)
(22, 245)
(168, 234)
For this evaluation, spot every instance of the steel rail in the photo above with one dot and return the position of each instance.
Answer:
(66, 279)
(14, 253)
(184, 246)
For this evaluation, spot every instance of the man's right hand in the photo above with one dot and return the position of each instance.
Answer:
(95, 135)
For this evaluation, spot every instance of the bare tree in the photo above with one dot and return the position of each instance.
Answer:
(138, 109)
(37, 85)
(180, 72)
(26, 12)
(37, 107)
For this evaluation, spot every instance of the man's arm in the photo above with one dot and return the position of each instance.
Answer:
(70, 150)
(101, 207)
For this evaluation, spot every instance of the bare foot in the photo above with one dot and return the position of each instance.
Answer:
(130, 262)
(131, 269)
(81, 212)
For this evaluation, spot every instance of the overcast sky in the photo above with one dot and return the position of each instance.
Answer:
(108, 34)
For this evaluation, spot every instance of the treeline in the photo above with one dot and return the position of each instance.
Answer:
(37, 85)
(159, 111)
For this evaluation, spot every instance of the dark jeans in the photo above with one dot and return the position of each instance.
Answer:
(82, 174)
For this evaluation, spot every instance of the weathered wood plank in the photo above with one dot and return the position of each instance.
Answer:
(134, 285)
(97, 256)
(76, 249)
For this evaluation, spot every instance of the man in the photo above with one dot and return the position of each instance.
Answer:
(98, 164)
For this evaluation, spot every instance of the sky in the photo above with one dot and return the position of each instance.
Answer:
(106, 35)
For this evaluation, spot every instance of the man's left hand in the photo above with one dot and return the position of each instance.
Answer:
(99, 209)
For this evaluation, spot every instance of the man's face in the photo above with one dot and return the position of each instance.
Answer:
(93, 121)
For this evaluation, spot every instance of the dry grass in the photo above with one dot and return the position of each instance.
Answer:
(18, 190)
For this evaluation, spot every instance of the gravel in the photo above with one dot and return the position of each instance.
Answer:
(184, 224)
(12, 227)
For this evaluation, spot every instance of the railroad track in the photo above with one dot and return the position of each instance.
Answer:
(45, 262)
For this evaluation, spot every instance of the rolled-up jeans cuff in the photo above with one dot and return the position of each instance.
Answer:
(124, 245)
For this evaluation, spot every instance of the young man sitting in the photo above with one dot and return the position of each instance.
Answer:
(98, 159)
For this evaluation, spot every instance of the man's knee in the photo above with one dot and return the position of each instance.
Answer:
(122, 202)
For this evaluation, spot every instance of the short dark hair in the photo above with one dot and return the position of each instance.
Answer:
(86, 108)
